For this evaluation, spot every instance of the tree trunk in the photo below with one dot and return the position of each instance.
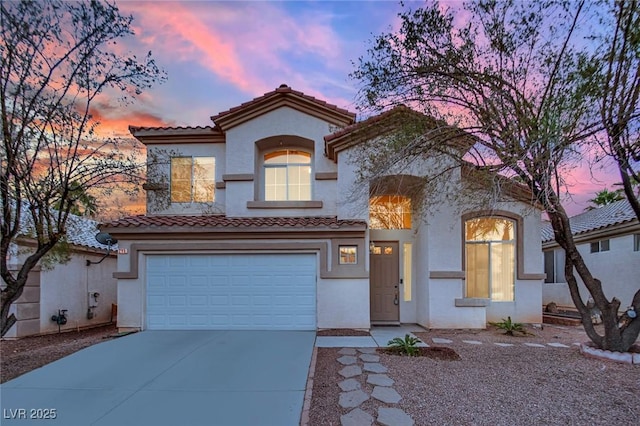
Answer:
(615, 338)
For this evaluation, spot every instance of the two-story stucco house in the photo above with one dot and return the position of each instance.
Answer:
(254, 223)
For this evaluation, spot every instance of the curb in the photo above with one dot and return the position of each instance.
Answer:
(621, 357)
(306, 406)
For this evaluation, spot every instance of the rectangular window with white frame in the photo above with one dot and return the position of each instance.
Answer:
(193, 179)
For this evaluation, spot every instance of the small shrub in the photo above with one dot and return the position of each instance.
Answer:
(407, 346)
(509, 326)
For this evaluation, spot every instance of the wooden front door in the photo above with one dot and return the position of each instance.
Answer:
(384, 280)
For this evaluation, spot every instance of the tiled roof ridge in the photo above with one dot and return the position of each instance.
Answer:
(228, 222)
(368, 122)
(139, 128)
(283, 88)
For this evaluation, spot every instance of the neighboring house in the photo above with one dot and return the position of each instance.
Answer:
(87, 292)
(256, 223)
(608, 239)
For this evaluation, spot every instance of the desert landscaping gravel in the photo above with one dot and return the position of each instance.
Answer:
(495, 385)
(23, 355)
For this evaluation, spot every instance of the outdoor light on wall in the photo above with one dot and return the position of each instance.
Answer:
(372, 247)
(106, 239)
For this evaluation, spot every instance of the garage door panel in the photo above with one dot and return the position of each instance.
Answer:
(232, 291)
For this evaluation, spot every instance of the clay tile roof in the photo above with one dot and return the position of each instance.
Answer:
(602, 217)
(142, 221)
(134, 129)
(283, 91)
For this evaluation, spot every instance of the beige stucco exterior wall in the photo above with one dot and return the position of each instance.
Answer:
(159, 164)
(244, 159)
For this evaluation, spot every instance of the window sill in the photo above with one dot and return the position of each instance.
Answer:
(284, 204)
(472, 303)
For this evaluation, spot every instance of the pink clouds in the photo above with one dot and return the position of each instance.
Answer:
(241, 43)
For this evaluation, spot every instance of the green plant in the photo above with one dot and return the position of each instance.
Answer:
(509, 326)
(407, 346)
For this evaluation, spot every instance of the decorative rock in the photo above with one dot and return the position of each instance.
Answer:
(347, 351)
(367, 350)
(356, 417)
(375, 367)
(352, 399)
(347, 360)
(350, 371)
(625, 357)
(385, 394)
(380, 380)
(369, 358)
(534, 345)
(441, 340)
(472, 342)
(349, 385)
(394, 417)
(557, 345)
(504, 345)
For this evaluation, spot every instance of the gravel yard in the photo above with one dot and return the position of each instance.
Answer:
(494, 385)
(23, 355)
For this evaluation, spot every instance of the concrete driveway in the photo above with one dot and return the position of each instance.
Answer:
(190, 378)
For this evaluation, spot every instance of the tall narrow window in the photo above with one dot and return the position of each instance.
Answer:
(490, 258)
(192, 179)
(407, 250)
(287, 176)
(390, 212)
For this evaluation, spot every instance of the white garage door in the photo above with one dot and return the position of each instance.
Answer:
(231, 291)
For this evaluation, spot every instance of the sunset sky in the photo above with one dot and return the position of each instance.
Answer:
(218, 55)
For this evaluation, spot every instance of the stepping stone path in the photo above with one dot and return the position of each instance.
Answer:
(352, 395)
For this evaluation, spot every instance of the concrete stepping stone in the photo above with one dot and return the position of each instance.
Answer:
(441, 340)
(369, 358)
(356, 417)
(380, 380)
(394, 417)
(472, 342)
(347, 360)
(347, 351)
(534, 345)
(386, 394)
(375, 367)
(349, 385)
(504, 345)
(352, 399)
(557, 345)
(367, 350)
(350, 371)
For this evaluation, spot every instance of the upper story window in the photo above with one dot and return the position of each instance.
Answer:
(598, 246)
(390, 212)
(636, 242)
(490, 258)
(193, 179)
(287, 176)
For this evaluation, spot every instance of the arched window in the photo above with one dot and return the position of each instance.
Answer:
(287, 176)
(490, 246)
(390, 212)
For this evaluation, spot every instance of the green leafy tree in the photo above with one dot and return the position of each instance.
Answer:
(605, 197)
(514, 77)
(57, 58)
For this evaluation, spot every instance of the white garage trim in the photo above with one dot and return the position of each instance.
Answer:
(275, 291)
